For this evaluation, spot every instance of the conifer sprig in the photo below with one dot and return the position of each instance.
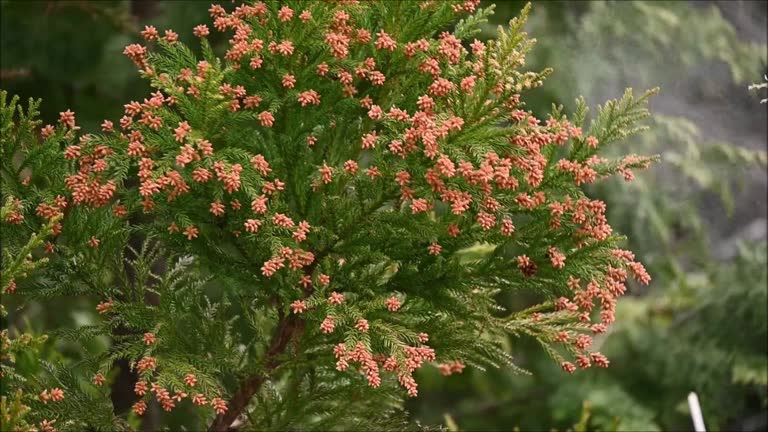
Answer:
(334, 204)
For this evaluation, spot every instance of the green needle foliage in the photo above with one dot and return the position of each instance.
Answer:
(339, 199)
(664, 345)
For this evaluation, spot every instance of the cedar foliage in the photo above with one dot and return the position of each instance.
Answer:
(392, 222)
(596, 48)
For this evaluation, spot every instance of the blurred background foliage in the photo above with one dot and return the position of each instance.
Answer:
(697, 220)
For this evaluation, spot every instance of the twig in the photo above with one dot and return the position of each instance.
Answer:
(286, 330)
